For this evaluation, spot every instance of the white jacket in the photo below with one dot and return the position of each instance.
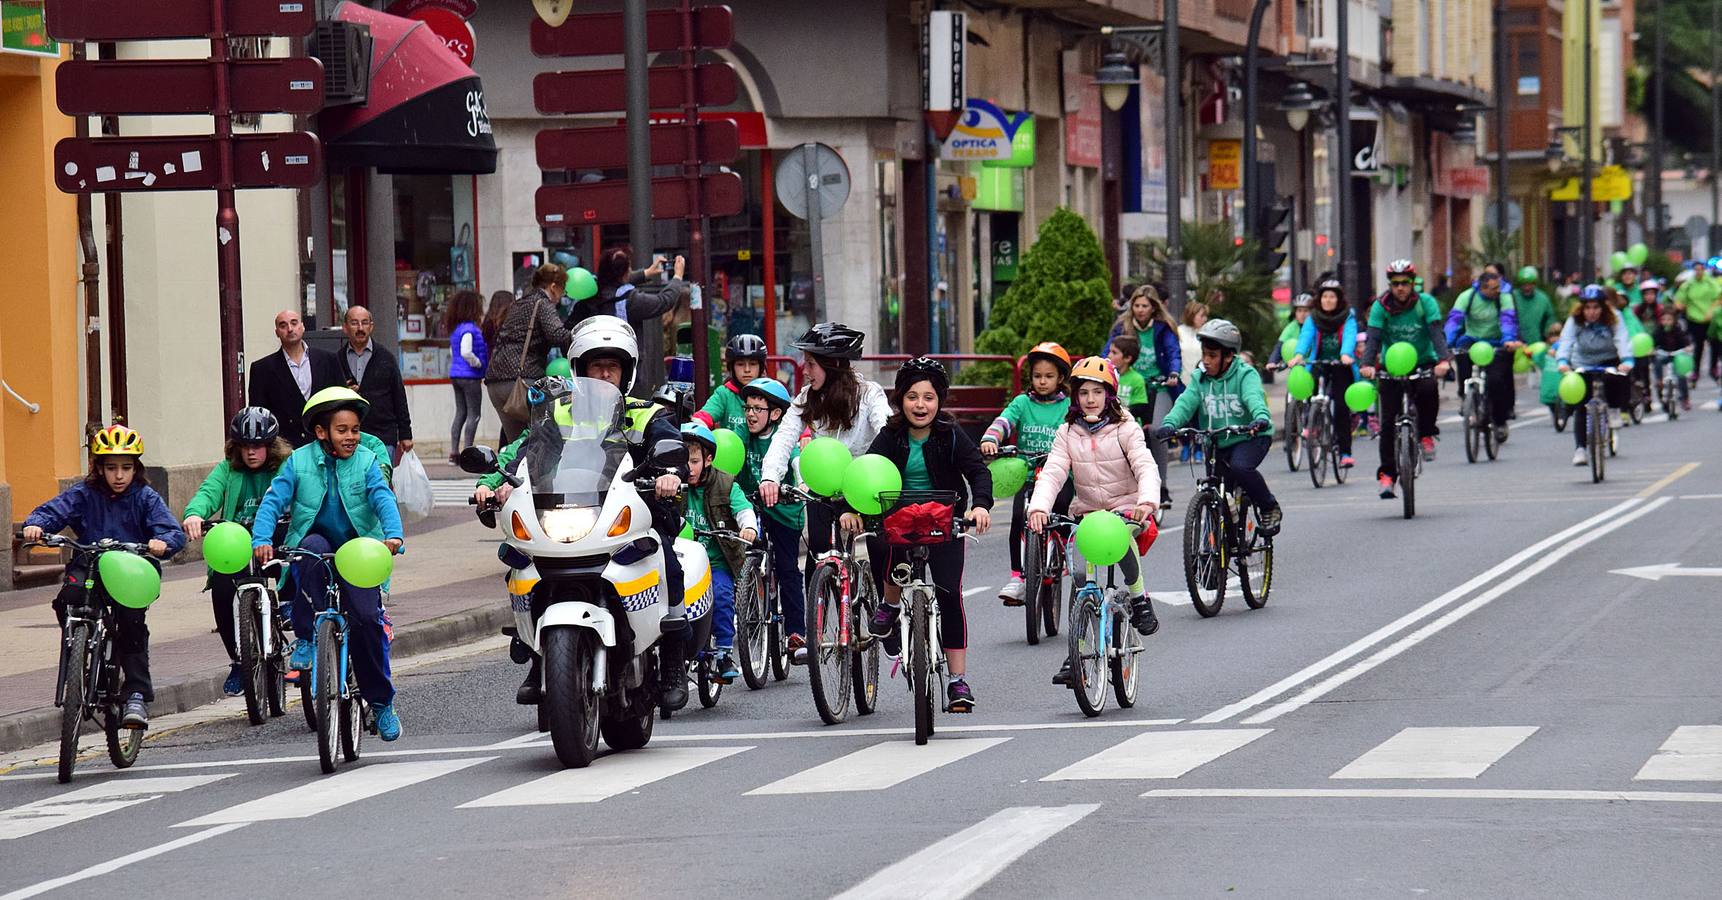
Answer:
(869, 418)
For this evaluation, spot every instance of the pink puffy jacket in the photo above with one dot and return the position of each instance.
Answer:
(1114, 470)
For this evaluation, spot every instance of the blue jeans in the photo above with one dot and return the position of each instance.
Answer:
(786, 559)
(368, 625)
(723, 607)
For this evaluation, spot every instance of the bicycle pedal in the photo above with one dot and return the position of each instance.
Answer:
(958, 709)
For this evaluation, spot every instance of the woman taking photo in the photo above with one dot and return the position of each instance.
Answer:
(523, 342)
(468, 355)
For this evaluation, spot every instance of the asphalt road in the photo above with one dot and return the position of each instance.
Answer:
(1471, 703)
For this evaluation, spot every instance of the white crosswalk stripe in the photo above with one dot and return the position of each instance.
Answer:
(877, 767)
(1437, 753)
(89, 802)
(336, 790)
(960, 864)
(1691, 753)
(606, 777)
(451, 492)
(1158, 754)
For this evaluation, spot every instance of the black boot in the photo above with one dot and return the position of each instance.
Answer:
(1142, 616)
(672, 675)
(531, 691)
(1063, 676)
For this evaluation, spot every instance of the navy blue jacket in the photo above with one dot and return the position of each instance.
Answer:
(137, 516)
(1168, 354)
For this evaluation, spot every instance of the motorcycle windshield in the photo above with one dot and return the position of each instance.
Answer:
(577, 441)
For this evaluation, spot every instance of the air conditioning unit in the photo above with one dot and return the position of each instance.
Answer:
(345, 50)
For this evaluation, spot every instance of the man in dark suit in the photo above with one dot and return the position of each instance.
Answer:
(374, 373)
(282, 381)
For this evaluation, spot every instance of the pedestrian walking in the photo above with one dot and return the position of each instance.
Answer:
(468, 358)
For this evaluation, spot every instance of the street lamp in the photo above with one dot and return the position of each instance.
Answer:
(1297, 104)
(1116, 77)
(1555, 154)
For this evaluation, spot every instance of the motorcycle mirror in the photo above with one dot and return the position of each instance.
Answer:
(667, 454)
(478, 460)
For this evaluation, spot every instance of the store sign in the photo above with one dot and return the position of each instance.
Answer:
(1005, 259)
(1021, 148)
(984, 133)
(1611, 184)
(1225, 165)
(1082, 128)
(1365, 136)
(454, 31)
(1462, 181)
(23, 29)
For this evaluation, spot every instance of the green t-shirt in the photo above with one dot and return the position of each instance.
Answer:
(1036, 423)
(791, 514)
(1699, 297)
(726, 409)
(1410, 326)
(1633, 325)
(1536, 314)
(1288, 333)
(1132, 389)
(915, 477)
(1482, 315)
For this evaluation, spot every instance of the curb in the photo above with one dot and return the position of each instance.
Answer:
(35, 726)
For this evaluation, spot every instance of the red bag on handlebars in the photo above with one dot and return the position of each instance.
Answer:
(927, 522)
(1146, 537)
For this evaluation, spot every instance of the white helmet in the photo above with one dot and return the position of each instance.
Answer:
(606, 336)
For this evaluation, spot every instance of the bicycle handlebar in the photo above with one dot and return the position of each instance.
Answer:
(103, 545)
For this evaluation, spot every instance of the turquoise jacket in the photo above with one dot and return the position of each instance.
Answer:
(303, 483)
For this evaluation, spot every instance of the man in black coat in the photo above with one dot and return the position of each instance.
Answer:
(373, 372)
(282, 381)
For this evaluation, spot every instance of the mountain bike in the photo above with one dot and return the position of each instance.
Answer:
(842, 657)
(1667, 384)
(1600, 441)
(1220, 534)
(1407, 452)
(1476, 415)
(760, 642)
(1321, 435)
(918, 610)
(1103, 645)
(1297, 415)
(341, 715)
(1045, 558)
(89, 683)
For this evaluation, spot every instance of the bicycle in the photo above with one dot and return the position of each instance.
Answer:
(1476, 415)
(333, 704)
(1320, 438)
(260, 632)
(842, 658)
(1100, 636)
(89, 682)
(1296, 415)
(705, 661)
(1407, 452)
(1640, 402)
(760, 642)
(1599, 429)
(1045, 559)
(1667, 386)
(1220, 534)
(918, 608)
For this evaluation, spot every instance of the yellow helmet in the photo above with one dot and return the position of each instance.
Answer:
(333, 398)
(116, 440)
(1094, 368)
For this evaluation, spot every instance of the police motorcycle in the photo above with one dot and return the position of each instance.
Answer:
(585, 568)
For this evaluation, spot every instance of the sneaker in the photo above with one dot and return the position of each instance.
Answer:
(136, 714)
(1500, 434)
(727, 670)
(1270, 521)
(1686, 404)
(1011, 593)
(301, 658)
(1386, 483)
(1197, 455)
(1165, 498)
(797, 650)
(388, 724)
(1428, 449)
(1374, 426)
(1142, 616)
(1184, 453)
(1346, 462)
(884, 620)
(961, 697)
(1063, 676)
(1580, 457)
(1625, 419)
(235, 683)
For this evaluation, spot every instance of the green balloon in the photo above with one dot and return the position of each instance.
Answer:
(687, 532)
(866, 478)
(1288, 349)
(1643, 345)
(1683, 364)
(227, 548)
(130, 579)
(1300, 383)
(559, 368)
(1572, 388)
(1537, 349)
(1360, 396)
(581, 285)
(1618, 261)
(1521, 363)
(364, 562)
(823, 463)
(1009, 475)
(1400, 359)
(1103, 537)
(1482, 353)
(730, 454)
(1637, 254)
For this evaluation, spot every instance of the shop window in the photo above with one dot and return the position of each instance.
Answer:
(1527, 71)
(436, 254)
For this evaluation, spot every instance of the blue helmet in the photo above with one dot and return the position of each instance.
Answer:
(1593, 293)
(770, 389)
(697, 431)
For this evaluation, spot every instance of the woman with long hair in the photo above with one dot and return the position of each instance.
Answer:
(468, 357)
(640, 298)
(522, 345)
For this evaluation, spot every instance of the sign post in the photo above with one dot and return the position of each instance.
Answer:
(813, 183)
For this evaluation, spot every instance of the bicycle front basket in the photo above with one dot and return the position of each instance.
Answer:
(918, 517)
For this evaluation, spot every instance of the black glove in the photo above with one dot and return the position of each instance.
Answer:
(1258, 426)
(1164, 433)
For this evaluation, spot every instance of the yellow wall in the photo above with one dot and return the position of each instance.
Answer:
(39, 311)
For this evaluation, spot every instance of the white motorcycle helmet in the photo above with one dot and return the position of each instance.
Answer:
(606, 336)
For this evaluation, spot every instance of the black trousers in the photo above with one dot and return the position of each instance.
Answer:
(1499, 388)
(1019, 514)
(945, 566)
(1428, 399)
(1238, 464)
(1338, 379)
(221, 591)
(131, 638)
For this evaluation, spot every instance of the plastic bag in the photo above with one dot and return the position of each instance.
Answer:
(413, 488)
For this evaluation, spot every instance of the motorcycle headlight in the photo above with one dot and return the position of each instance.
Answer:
(569, 523)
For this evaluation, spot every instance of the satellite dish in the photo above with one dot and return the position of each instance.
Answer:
(553, 12)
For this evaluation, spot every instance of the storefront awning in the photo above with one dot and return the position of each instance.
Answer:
(426, 111)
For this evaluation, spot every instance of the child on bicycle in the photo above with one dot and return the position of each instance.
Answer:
(745, 356)
(1106, 456)
(335, 492)
(1032, 418)
(1139, 398)
(1302, 305)
(1330, 335)
(765, 400)
(232, 493)
(1595, 337)
(1228, 392)
(1548, 374)
(933, 454)
(716, 503)
(113, 501)
(1670, 337)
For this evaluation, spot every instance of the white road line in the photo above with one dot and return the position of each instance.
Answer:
(1432, 794)
(92, 801)
(877, 767)
(1701, 496)
(973, 591)
(1691, 753)
(1525, 574)
(334, 791)
(606, 777)
(962, 863)
(1437, 753)
(1165, 754)
(114, 865)
(1410, 619)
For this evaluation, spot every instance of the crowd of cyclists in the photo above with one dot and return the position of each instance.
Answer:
(1096, 429)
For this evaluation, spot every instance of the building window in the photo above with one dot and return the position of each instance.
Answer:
(1527, 71)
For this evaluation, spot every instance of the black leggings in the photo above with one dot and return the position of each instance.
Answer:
(1499, 388)
(1238, 464)
(1338, 379)
(131, 638)
(1616, 392)
(1428, 399)
(221, 591)
(1019, 516)
(945, 567)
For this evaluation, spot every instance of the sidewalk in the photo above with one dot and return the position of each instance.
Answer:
(446, 591)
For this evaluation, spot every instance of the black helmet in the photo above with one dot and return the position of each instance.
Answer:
(253, 425)
(745, 346)
(832, 339)
(924, 368)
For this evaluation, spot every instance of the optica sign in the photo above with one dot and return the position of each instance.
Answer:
(985, 132)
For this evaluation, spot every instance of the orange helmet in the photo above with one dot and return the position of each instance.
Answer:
(116, 440)
(1051, 352)
(1096, 369)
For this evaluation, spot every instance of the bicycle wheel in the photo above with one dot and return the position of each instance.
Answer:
(828, 667)
(865, 663)
(1410, 457)
(1491, 446)
(326, 694)
(1317, 442)
(753, 626)
(74, 668)
(920, 666)
(1126, 645)
(1204, 555)
(1256, 568)
(275, 676)
(251, 660)
(1033, 583)
(1052, 587)
(1594, 438)
(123, 743)
(1087, 655)
(1468, 417)
(1294, 437)
(353, 718)
(779, 641)
(1640, 403)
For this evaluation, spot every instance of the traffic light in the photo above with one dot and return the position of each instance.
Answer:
(1275, 227)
